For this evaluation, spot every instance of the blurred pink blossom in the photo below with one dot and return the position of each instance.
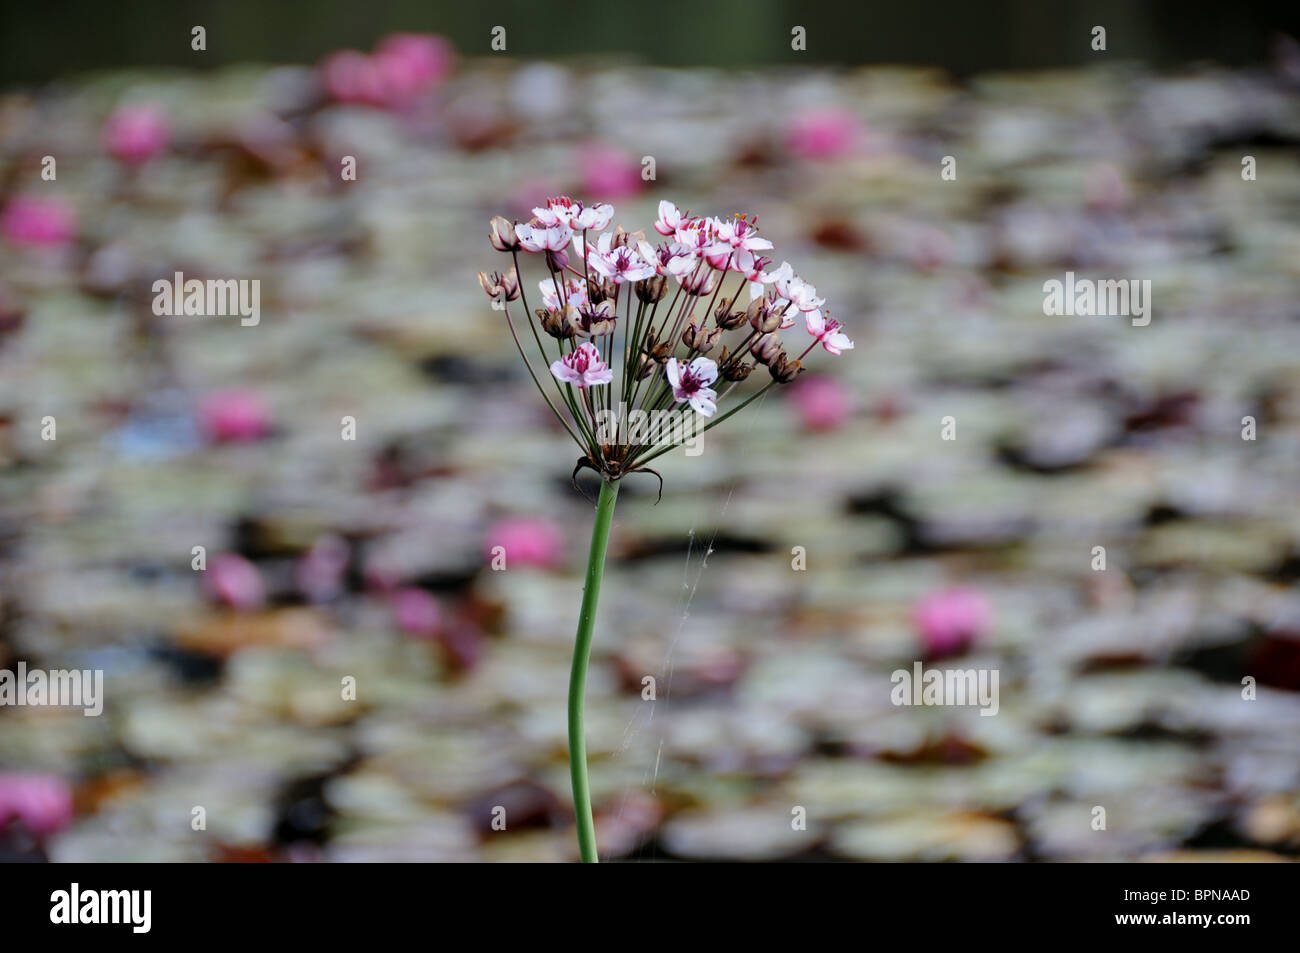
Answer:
(416, 611)
(403, 66)
(1106, 188)
(321, 570)
(950, 620)
(136, 133)
(234, 581)
(827, 133)
(42, 802)
(234, 416)
(527, 541)
(929, 248)
(412, 62)
(608, 172)
(29, 220)
(822, 402)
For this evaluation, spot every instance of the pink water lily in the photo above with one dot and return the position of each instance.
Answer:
(691, 382)
(583, 367)
(43, 803)
(137, 133)
(36, 220)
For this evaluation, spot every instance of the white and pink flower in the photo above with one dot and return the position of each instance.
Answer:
(618, 262)
(827, 330)
(573, 290)
(670, 218)
(583, 367)
(539, 238)
(563, 210)
(690, 383)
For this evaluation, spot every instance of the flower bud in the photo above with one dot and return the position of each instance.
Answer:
(503, 235)
(767, 349)
(557, 260)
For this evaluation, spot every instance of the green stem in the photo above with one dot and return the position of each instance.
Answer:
(578, 674)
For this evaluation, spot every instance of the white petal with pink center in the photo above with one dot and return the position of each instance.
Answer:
(690, 383)
(582, 367)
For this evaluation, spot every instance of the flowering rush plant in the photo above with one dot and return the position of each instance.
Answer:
(609, 334)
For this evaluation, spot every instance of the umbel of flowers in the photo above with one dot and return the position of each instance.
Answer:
(627, 324)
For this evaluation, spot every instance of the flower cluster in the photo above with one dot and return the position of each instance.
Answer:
(616, 331)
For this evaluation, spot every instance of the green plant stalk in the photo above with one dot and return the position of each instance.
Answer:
(578, 674)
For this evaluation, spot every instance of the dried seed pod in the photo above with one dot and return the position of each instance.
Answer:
(765, 318)
(645, 366)
(732, 321)
(651, 290)
(785, 371)
(498, 286)
(510, 284)
(662, 351)
(706, 341)
(735, 372)
(553, 323)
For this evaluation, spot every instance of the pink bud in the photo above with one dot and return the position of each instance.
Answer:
(233, 416)
(416, 611)
(28, 220)
(822, 402)
(42, 802)
(232, 580)
(527, 542)
(950, 620)
(609, 173)
(136, 134)
(824, 134)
